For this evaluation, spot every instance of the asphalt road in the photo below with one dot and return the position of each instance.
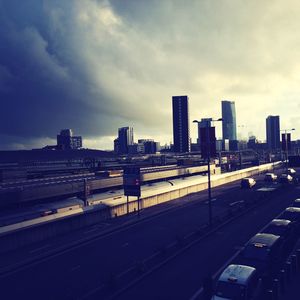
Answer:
(110, 262)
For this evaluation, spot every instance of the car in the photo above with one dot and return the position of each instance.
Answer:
(291, 171)
(263, 252)
(292, 214)
(237, 282)
(248, 183)
(284, 229)
(296, 203)
(285, 178)
(270, 177)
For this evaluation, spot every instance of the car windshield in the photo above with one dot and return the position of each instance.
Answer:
(230, 290)
(276, 230)
(292, 216)
(256, 252)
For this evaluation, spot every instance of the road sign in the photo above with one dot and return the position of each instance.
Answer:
(208, 142)
(132, 181)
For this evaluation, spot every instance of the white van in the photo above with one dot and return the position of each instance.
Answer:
(237, 282)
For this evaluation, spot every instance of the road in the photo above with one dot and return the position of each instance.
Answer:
(103, 266)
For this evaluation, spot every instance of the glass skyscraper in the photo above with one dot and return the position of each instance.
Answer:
(229, 120)
(181, 132)
(273, 132)
(125, 139)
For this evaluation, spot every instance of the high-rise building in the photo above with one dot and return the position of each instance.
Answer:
(66, 140)
(229, 122)
(125, 139)
(205, 122)
(273, 132)
(181, 132)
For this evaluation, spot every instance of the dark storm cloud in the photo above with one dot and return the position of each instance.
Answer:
(96, 65)
(43, 85)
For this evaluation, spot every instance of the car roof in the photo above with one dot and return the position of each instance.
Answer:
(265, 239)
(280, 222)
(293, 209)
(237, 274)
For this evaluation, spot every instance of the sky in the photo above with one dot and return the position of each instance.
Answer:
(97, 65)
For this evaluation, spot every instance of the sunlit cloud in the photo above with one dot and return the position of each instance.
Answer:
(95, 66)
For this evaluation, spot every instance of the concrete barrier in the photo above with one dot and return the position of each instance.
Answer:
(31, 231)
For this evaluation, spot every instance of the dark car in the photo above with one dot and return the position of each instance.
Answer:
(291, 171)
(270, 177)
(284, 229)
(247, 183)
(292, 214)
(285, 179)
(296, 203)
(262, 252)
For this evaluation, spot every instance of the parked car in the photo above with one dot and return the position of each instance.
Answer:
(270, 177)
(248, 183)
(237, 282)
(285, 179)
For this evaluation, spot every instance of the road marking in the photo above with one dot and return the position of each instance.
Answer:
(239, 248)
(91, 230)
(212, 200)
(125, 245)
(39, 249)
(75, 268)
(236, 202)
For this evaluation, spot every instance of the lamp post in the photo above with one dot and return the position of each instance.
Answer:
(286, 144)
(208, 166)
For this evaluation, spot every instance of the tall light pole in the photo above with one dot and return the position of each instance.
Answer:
(286, 144)
(208, 166)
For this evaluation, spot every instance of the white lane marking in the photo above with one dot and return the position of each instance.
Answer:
(125, 245)
(75, 268)
(90, 230)
(39, 249)
(212, 200)
(236, 202)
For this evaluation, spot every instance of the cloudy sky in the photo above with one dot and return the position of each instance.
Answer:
(96, 65)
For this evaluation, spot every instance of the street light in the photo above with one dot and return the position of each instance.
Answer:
(208, 166)
(286, 144)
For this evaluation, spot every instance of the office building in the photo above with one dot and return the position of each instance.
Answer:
(148, 146)
(206, 122)
(66, 140)
(229, 122)
(116, 145)
(273, 132)
(125, 139)
(181, 132)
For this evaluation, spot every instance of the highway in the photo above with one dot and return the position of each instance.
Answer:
(107, 266)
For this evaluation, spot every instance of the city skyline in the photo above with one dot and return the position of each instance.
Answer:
(130, 66)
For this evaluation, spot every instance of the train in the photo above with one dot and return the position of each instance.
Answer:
(41, 210)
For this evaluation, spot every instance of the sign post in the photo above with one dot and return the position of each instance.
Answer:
(132, 184)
